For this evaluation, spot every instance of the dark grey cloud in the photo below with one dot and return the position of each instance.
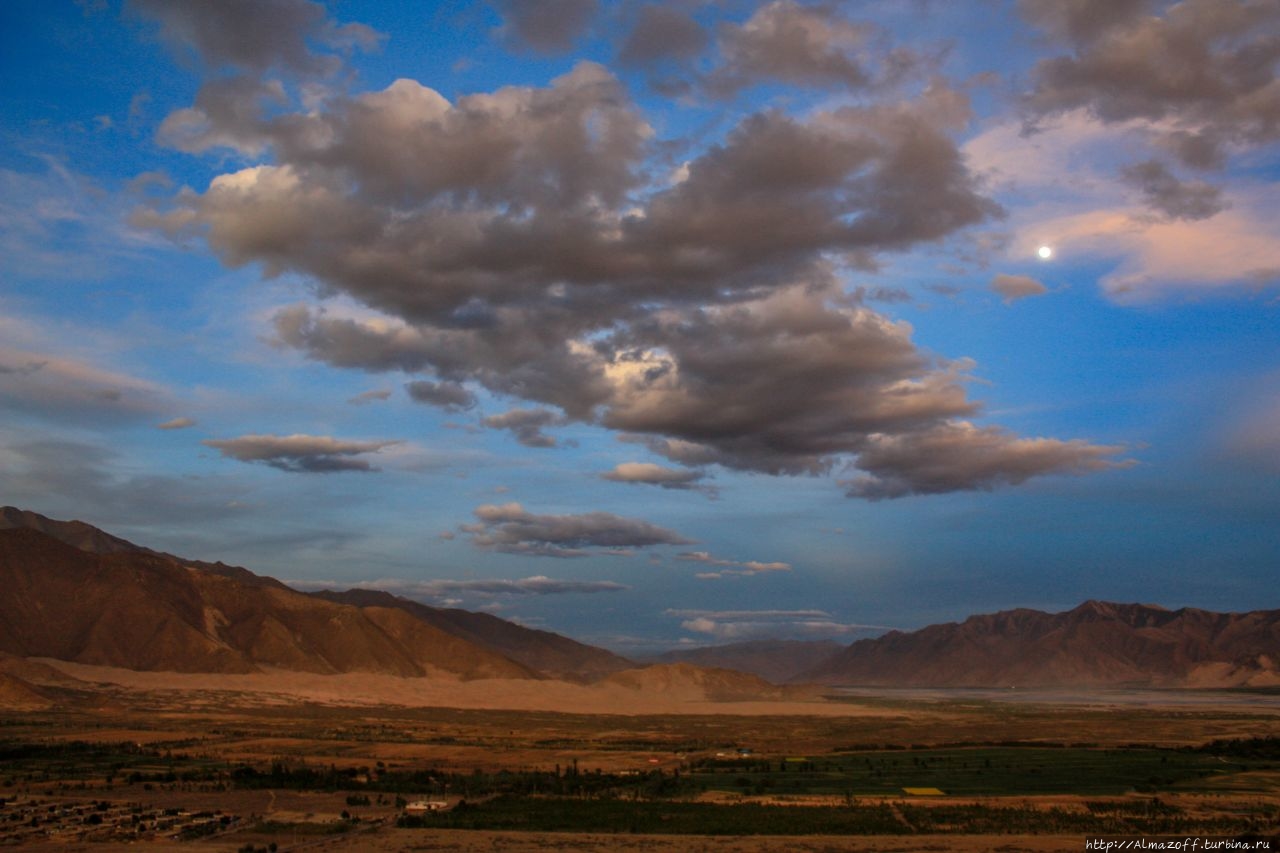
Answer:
(524, 242)
(959, 456)
(1082, 22)
(546, 26)
(1014, 287)
(661, 33)
(227, 113)
(256, 35)
(784, 385)
(526, 425)
(458, 215)
(1164, 193)
(512, 529)
(313, 454)
(534, 585)
(1204, 70)
(806, 45)
(450, 396)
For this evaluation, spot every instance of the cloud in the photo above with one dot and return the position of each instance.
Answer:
(1015, 287)
(1204, 70)
(512, 529)
(662, 33)
(372, 396)
(517, 241)
(239, 43)
(314, 454)
(805, 46)
(960, 456)
(535, 585)
(1090, 215)
(1175, 199)
(656, 475)
(177, 423)
(256, 35)
(739, 625)
(1238, 249)
(785, 385)
(546, 26)
(56, 387)
(526, 425)
(450, 396)
(731, 567)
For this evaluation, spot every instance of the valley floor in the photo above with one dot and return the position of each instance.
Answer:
(242, 762)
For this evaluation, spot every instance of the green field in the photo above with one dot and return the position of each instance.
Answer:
(978, 771)
(563, 814)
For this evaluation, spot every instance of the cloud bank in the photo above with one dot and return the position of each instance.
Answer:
(532, 242)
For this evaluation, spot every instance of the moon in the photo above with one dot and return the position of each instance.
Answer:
(1045, 252)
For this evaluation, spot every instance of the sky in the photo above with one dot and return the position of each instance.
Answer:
(655, 324)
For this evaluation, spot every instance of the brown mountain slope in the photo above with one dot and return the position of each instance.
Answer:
(147, 611)
(778, 661)
(1096, 644)
(544, 651)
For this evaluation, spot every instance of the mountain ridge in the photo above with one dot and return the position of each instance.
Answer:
(1095, 644)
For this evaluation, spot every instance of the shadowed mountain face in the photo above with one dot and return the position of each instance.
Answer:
(777, 661)
(1096, 644)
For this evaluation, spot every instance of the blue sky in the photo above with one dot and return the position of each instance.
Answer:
(655, 323)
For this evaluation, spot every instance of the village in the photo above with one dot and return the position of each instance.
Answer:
(27, 819)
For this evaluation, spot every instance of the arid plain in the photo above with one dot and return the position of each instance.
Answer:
(191, 745)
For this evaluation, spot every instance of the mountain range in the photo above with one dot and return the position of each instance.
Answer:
(78, 594)
(1093, 645)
